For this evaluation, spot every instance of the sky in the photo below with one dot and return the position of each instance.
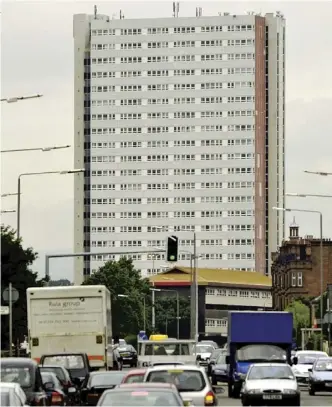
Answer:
(37, 57)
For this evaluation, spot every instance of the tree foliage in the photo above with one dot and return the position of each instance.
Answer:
(62, 282)
(15, 262)
(301, 317)
(122, 279)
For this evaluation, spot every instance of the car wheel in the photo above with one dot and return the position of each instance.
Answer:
(214, 380)
(230, 390)
(311, 391)
(244, 403)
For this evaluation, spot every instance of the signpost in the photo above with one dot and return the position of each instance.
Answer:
(9, 295)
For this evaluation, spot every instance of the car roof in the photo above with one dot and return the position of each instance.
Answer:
(63, 354)
(109, 372)
(299, 352)
(132, 372)
(18, 362)
(53, 366)
(176, 367)
(165, 386)
(9, 385)
(270, 364)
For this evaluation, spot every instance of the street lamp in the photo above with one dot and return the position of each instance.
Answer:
(18, 98)
(75, 171)
(177, 306)
(295, 194)
(322, 173)
(43, 149)
(321, 258)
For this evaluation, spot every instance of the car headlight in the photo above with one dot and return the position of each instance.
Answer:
(254, 391)
(289, 391)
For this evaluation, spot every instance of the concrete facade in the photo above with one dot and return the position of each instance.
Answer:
(179, 124)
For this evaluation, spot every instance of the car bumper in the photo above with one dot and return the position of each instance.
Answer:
(220, 377)
(258, 400)
(127, 360)
(321, 386)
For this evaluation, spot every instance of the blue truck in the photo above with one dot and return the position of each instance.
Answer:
(256, 337)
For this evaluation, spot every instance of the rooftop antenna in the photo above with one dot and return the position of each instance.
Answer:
(196, 12)
(121, 15)
(200, 11)
(174, 9)
(95, 12)
(177, 9)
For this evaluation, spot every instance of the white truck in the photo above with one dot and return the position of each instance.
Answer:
(71, 319)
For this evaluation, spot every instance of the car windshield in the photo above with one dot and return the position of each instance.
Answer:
(21, 375)
(135, 379)
(204, 349)
(270, 372)
(122, 349)
(5, 398)
(106, 379)
(184, 380)
(309, 358)
(139, 398)
(260, 353)
(57, 370)
(67, 361)
(324, 365)
(166, 349)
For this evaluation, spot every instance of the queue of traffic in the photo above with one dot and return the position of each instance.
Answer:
(74, 361)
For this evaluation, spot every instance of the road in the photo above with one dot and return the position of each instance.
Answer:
(321, 399)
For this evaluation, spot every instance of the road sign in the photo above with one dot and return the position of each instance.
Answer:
(4, 310)
(15, 295)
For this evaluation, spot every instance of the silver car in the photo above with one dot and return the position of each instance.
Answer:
(270, 383)
(191, 381)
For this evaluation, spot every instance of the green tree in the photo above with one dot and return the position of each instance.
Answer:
(301, 317)
(166, 313)
(15, 262)
(122, 279)
(63, 282)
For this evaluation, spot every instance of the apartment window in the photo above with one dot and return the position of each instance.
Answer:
(184, 30)
(158, 115)
(184, 185)
(211, 43)
(131, 144)
(131, 88)
(157, 144)
(184, 44)
(299, 279)
(210, 291)
(130, 201)
(221, 292)
(184, 143)
(157, 30)
(184, 58)
(163, 44)
(131, 45)
(130, 74)
(131, 31)
(244, 293)
(157, 158)
(212, 71)
(157, 101)
(159, 86)
(211, 29)
(184, 72)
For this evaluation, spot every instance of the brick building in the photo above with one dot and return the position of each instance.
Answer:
(296, 268)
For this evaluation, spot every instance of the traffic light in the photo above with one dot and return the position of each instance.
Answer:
(172, 248)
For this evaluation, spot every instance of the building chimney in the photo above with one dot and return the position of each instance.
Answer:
(294, 230)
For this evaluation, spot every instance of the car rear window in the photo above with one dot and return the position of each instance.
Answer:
(58, 371)
(139, 397)
(184, 380)
(107, 379)
(13, 374)
(67, 361)
(134, 379)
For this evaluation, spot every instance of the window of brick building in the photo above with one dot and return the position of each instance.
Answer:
(299, 279)
(293, 279)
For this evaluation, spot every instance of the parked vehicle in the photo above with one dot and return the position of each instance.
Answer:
(210, 343)
(320, 376)
(203, 353)
(270, 383)
(26, 373)
(54, 389)
(96, 383)
(12, 395)
(305, 360)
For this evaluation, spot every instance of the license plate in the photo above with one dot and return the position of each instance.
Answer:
(272, 397)
(125, 354)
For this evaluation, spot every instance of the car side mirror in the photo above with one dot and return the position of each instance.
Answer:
(295, 360)
(227, 360)
(218, 390)
(48, 386)
(310, 370)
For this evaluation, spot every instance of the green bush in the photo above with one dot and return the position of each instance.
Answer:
(131, 340)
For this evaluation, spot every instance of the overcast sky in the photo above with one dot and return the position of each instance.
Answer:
(37, 57)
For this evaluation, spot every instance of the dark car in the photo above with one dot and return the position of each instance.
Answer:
(96, 383)
(142, 395)
(320, 376)
(54, 389)
(128, 354)
(219, 370)
(213, 358)
(26, 373)
(66, 381)
(77, 364)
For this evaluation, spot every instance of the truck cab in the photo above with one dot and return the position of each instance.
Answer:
(256, 337)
